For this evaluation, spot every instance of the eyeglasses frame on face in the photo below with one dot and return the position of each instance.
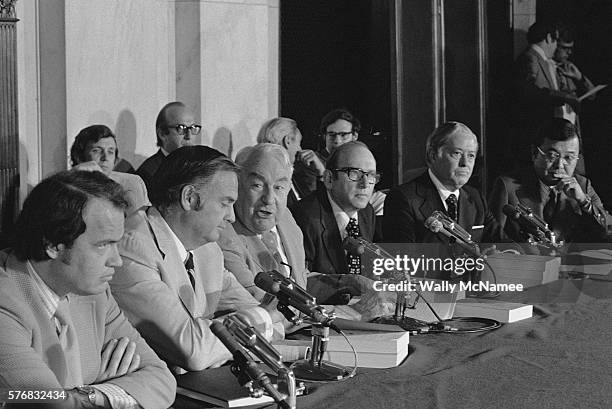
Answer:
(368, 175)
(182, 128)
(340, 134)
(553, 156)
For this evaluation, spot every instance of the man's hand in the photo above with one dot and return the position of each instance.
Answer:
(310, 159)
(571, 71)
(90, 166)
(569, 185)
(119, 357)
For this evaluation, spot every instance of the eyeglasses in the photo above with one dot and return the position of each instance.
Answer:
(340, 134)
(356, 174)
(182, 129)
(552, 156)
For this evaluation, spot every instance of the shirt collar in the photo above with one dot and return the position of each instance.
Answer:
(49, 298)
(342, 217)
(177, 242)
(442, 191)
(165, 152)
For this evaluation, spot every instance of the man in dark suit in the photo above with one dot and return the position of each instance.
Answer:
(60, 326)
(451, 152)
(325, 215)
(175, 126)
(567, 202)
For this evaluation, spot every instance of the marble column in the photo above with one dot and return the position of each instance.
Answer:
(9, 135)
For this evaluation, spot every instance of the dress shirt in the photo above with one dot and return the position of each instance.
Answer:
(442, 191)
(342, 217)
(177, 242)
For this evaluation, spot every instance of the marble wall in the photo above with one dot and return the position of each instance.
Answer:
(117, 62)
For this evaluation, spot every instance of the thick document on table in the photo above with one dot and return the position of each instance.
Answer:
(217, 386)
(374, 349)
(497, 310)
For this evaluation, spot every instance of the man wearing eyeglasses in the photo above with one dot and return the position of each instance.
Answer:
(339, 209)
(566, 201)
(175, 126)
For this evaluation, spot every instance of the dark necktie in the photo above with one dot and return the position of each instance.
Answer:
(70, 345)
(270, 240)
(190, 269)
(550, 208)
(354, 262)
(451, 203)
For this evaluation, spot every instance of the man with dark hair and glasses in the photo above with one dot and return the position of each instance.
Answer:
(175, 126)
(338, 209)
(566, 201)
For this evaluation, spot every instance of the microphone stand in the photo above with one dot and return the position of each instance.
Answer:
(249, 338)
(399, 317)
(313, 368)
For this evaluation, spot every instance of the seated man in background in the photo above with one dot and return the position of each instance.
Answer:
(95, 148)
(337, 127)
(175, 126)
(284, 132)
(61, 327)
(265, 236)
(339, 209)
(172, 282)
(451, 151)
(566, 201)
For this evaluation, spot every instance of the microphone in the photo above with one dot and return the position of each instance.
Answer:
(441, 224)
(529, 222)
(532, 225)
(289, 293)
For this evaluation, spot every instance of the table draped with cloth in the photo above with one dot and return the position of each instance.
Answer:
(559, 358)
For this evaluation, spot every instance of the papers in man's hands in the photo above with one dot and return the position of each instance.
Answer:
(592, 91)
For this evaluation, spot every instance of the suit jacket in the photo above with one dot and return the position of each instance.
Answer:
(572, 224)
(149, 167)
(30, 352)
(322, 239)
(245, 254)
(535, 93)
(154, 290)
(409, 205)
(135, 189)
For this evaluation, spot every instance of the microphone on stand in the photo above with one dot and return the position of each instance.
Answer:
(439, 223)
(532, 225)
(245, 363)
(288, 292)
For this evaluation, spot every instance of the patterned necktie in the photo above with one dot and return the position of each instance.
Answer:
(451, 203)
(189, 266)
(270, 240)
(354, 262)
(70, 345)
